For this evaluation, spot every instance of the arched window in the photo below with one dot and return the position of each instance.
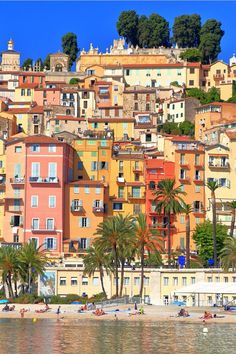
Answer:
(68, 111)
(152, 185)
(58, 67)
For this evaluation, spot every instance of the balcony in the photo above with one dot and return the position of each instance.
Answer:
(120, 180)
(50, 180)
(184, 164)
(198, 180)
(162, 227)
(43, 229)
(218, 77)
(198, 211)
(15, 208)
(199, 165)
(184, 180)
(136, 197)
(218, 165)
(77, 208)
(17, 180)
(137, 170)
(98, 210)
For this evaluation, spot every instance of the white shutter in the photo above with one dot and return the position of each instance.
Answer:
(45, 243)
(101, 204)
(88, 222)
(80, 221)
(94, 203)
(54, 243)
(81, 203)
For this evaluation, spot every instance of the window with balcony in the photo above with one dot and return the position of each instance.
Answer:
(182, 173)
(83, 243)
(136, 192)
(121, 192)
(52, 170)
(197, 175)
(197, 206)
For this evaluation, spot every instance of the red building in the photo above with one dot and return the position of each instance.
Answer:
(155, 171)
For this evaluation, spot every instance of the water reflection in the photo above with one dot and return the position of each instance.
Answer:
(113, 337)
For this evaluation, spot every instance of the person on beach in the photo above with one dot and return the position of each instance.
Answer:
(58, 311)
(183, 313)
(141, 310)
(22, 312)
(135, 306)
(207, 315)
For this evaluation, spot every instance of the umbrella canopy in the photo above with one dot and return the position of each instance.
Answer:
(4, 301)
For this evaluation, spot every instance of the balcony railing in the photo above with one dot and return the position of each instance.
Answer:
(184, 179)
(184, 164)
(43, 229)
(43, 179)
(133, 196)
(218, 165)
(77, 208)
(198, 180)
(120, 180)
(198, 211)
(219, 77)
(98, 210)
(137, 170)
(17, 180)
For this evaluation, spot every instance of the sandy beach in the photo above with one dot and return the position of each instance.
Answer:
(151, 313)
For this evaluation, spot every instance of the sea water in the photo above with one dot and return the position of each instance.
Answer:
(46, 336)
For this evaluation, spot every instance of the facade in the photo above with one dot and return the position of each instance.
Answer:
(59, 62)
(138, 99)
(10, 58)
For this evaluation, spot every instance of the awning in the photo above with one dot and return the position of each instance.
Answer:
(208, 288)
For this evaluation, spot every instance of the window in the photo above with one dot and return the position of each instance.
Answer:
(165, 281)
(35, 148)
(52, 148)
(52, 201)
(83, 243)
(217, 279)
(34, 201)
(28, 92)
(126, 280)
(74, 281)
(76, 189)
(94, 166)
(175, 281)
(184, 281)
(193, 280)
(62, 281)
(35, 224)
(18, 149)
(50, 224)
(98, 190)
(51, 243)
(85, 104)
(191, 82)
(22, 92)
(136, 281)
(136, 106)
(182, 219)
(104, 165)
(121, 192)
(192, 70)
(226, 279)
(80, 165)
(136, 192)
(197, 175)
(52, 169)
(197, 220)
(95, 281)
(84, 222)
(197, 189)
(35, 240)
(146, 281)
(94, 153)
(148, 137)
(35, 169)
(117, 206)
(86, 190)
(136, 209)
(84, 280)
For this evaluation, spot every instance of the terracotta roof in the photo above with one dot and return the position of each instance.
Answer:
(41, 139)
(87, 182)
(231, 134)
(36, 109)
(103, 83)
(217, 104)
(18, 110)
(20, 103)
(32, 73)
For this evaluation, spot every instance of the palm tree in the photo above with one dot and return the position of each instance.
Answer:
(187, 210)
(145, 239)
(228, 254)
(112, 233)
(213, 186)
(95, 259)
(8, 265)
(233, 210)
(32, 262)
(168, 201)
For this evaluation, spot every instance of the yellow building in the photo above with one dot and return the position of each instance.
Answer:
(25, 92)
(127, 186)
(219, 166)
(121, 128)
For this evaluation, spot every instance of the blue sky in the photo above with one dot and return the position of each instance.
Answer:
(37, 27)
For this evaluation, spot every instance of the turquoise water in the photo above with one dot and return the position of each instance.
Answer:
(19, 336)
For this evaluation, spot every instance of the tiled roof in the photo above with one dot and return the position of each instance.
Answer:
(231, 134)
(29, 85)
(41, 139)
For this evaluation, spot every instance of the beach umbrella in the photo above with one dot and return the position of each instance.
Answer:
(4, 301)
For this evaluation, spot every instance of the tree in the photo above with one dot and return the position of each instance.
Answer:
(95, 259)
(187, 128)
(127, 26)
(187, 210)
(112, 232)
(8, 266)
(70, 47)
(232, 99)
(28, 63)
(213, 186)
(39, 63)
(143, 32)
(212, 95)
(203, 239)
(228, 254)
(32, 261)
(46, 63)
(159, 31)
(74, 81)
(145, 240)
(191, 55)
(186, 30)
(210, 38)
(170, 128)
(233, 211)
(168, 202)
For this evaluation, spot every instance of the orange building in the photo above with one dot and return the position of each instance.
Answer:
(188, 157)
(213, 114)
(84, 209)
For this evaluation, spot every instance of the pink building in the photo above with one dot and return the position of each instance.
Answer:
(49, 166)
(47, 96)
